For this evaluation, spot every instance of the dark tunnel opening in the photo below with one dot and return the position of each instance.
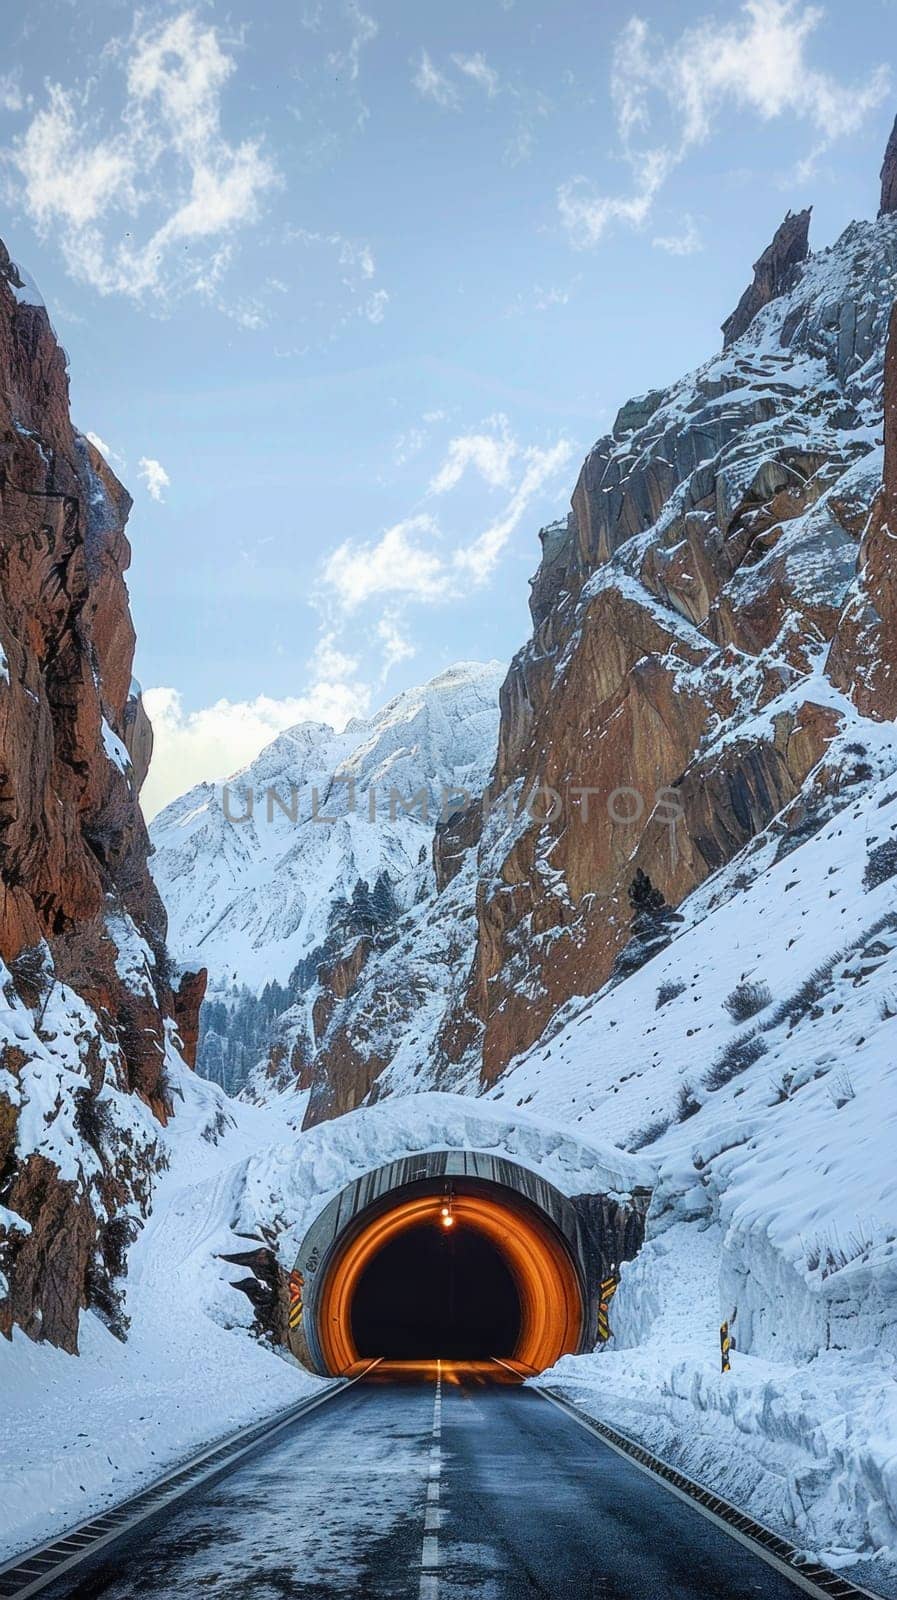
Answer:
(433, 1292)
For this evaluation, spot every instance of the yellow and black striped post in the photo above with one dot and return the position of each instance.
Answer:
(608, 1290)
(725, 1345)
(296, 1286)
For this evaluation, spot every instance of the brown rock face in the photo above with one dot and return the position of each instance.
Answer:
(77, 904)
(862, 659)
(773, 273)
(711, 624)
(187, 998)
(889, 175)
(666, 711)
(451, 841)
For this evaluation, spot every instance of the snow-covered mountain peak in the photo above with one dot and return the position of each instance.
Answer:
(249, 869)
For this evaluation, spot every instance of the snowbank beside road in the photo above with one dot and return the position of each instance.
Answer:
(808, 1448)
(775, 1199)
(79, 1433)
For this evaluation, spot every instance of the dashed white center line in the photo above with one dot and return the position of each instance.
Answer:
(429, 1556)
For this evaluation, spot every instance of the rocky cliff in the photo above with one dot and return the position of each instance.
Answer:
(682, 672)
(713, 639)
(85, 1022)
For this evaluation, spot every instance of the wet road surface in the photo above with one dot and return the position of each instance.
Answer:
(426, 1482)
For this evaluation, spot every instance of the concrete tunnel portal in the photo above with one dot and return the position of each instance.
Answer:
(459, 1254)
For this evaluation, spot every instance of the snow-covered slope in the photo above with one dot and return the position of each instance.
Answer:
(775, 1199)
(79, 1434)
(248, 898)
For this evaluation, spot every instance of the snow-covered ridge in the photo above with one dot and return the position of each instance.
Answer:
(249, 869)
(774, 1204)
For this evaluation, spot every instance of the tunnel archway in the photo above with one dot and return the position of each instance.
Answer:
(379, 1268)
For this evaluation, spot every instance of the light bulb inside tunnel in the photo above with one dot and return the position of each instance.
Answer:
(448, 1220)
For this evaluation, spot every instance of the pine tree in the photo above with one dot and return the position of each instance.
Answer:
(651, 928)
(383, 901)
(364, 917)
(648, 904)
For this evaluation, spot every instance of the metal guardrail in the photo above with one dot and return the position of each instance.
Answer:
(27, 1574)
(811, 1576)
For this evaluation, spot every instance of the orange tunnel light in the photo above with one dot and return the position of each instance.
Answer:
(551, 1301)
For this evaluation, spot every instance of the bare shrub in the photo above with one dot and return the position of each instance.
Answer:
(827, 1253)
(738, 1055)
(93, 1118)
(881, 864)
(668, 992)
(808, 995)
(650, 1133)
(687, 1104)
(781, 1088)
(746, 1000)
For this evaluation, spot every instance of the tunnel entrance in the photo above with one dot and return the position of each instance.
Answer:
(436, 1291)
(522, 1278)
(460, 1267)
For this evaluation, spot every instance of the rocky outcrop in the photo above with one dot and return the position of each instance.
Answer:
(889, 176)
(452, 839)
(671, 704)
(137, 734)
(266, 1287)
(187, 996)
(862, 659)
(337, 979)
(82, 927)
(774, 273)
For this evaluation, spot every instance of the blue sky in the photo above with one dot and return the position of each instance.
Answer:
(350, 286)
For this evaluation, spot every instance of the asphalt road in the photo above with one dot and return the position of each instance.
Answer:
(418, 1486)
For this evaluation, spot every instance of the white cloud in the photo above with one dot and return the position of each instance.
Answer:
(350, 262)
(396, 647)
(668, 98)
(480, 558)
(393, 564)
(154, 476)
(363, 30)
(375, 305)
(685, 243)
(540, 298)
(411, 442)
(586, 214)
(217, 740)
(410, 561)
(166, 165)
(330, 664)
(478, 69)
(532, 108)
(11, 97)
(431, 84)
(490, 454)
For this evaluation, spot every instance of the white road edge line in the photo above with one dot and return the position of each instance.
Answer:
(429, 1554)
